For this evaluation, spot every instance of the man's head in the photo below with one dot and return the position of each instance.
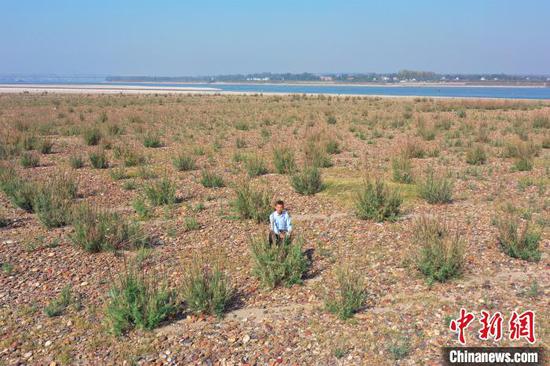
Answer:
(279, 206)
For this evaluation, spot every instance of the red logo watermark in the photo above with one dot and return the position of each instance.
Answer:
(520, 326)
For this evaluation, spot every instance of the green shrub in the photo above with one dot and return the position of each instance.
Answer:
(316, 155)
(161, 192)
(92, 136)
(211, 180)
(98, 159)
(333, 147)
(541, 121)
(143, 211)
(53, 200)
(206, 289)
(441, 254)
(427, 133)
(252, 203)
(283, 159)
(413, 150)
(3, 220)
(184, 162)
(242, 126)
(46, 146)
(137, 300)
(96, 230)
(129, 156)
(402, 170)
(331, 119)
(29, 142)
(19, 192)
(523, 164)
(152, 140)
(516, 241)
(57, 306)
(114, 130)
(119, 173)
(280, 264)
(240, 143)
(375, 201)
(308, 181)
(476, 155)
(350, 296)
(436, 189)
(190, 224)
(76, 161)
(255, 166)
(29, 160)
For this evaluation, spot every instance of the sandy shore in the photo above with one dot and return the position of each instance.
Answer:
(138, 89)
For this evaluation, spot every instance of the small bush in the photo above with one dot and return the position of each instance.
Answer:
(316, 155)
(190, 224)
(46, 146)
(161, 192)
(242, 126)
(252, 203)
(441, 255)
(76, 162)
(211, 180)
(152, 140)
(143, 211)
(184, 162)
(98, 159)
(413, 150)
(96, 230)
(402, 170)
(19, 192)
(436, 189)
(333, 147)
(255, 166)
(308, 181)
(53, 200)
(57, 306)
(130, 156)
(283, 159)
(541, 121)
(516, 241)
(137, 300)
(29, 142)
(377, 202)
(476, 155)
(280, 264)
(427, 133)
(92, 136)
(331, 120)
(350, 296)
(523, 164)
(206, 289)
(3, 220)
(29, 160)
(240, 143)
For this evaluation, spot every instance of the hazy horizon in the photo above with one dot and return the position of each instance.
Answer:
(213, 37)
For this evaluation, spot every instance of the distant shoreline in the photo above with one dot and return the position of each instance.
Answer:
(358, 84)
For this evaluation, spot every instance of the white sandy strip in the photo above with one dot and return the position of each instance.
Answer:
(100, 89)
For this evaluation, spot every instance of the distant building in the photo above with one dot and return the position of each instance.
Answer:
(326, 78)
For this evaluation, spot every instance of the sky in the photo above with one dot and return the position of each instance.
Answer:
(207, 37)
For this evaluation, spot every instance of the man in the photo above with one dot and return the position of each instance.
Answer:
(280, 224)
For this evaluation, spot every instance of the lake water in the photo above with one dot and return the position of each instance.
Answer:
(422, 91)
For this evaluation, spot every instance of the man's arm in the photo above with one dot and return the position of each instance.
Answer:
(288, 223)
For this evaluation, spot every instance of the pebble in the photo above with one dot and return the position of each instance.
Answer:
(246, 338)
(48, 343)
